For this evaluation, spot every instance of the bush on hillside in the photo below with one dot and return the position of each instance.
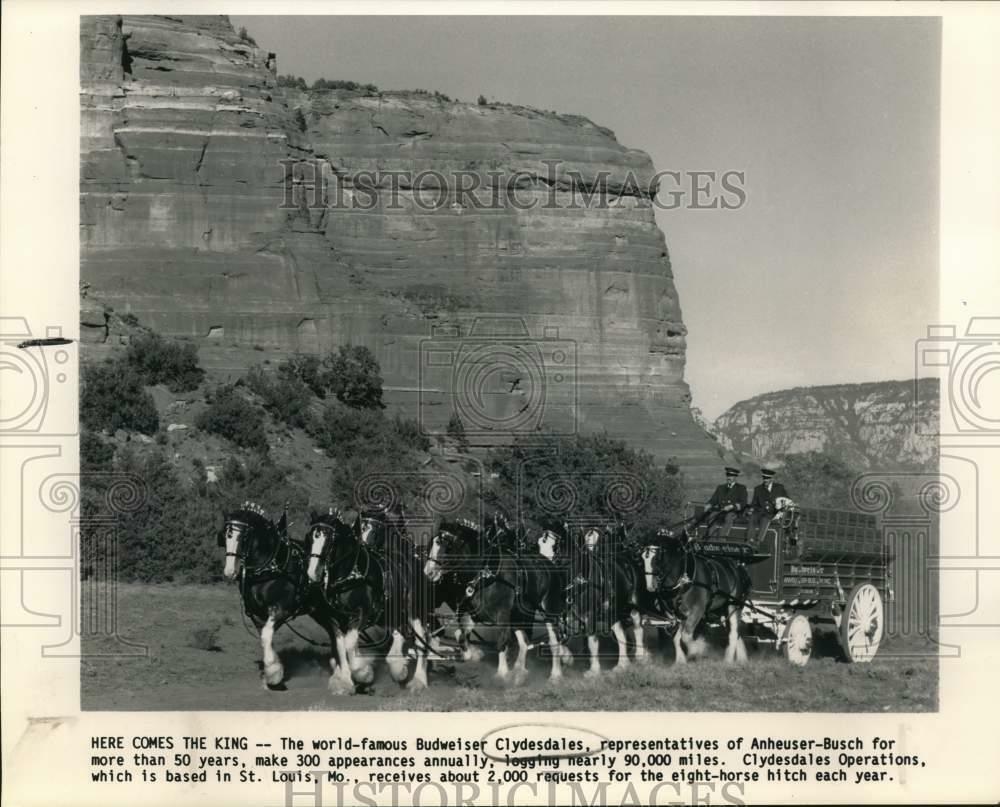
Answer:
(353, 377)
(588, 477)
(307, 368)
(231, 416)
(164, 361)
(366, 444)
(289, 80)
(818, 479)
(112, 397)
(285, 397)
(456, 431)
(338, 84)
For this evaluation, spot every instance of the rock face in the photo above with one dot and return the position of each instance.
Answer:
(519, 306)
(867, 425)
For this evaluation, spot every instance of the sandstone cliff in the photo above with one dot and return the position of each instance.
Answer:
(867, 425)
(186, 139)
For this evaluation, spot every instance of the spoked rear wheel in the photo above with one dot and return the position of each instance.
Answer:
(797, 640)
(862, 624)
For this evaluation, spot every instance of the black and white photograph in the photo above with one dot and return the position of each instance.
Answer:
(536, 405)
(513, 368)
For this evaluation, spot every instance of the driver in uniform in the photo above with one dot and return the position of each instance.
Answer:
(727, 502)
(764, 504)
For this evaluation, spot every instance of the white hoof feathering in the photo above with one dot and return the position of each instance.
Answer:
(274, 673)
(397, 662)
(472, 653)
(337, 685)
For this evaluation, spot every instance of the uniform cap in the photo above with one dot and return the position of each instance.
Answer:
(767, 473)
(732, 471)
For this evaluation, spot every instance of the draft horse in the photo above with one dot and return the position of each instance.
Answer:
(360, 585)
(699, 587)
(604, 593)
(485, 582)
(272, 576)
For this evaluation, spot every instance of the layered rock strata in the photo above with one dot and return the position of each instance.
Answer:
(522, 304)
(881, 425)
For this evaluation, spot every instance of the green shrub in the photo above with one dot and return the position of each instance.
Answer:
(307, 368)
(231, 416)
(364, 444)
(338, 84)
(112, 397)
(164, 361)
(286, 398)
(818, 479)
(456, 430)
(297, 82)
(590, 476)
(163, 536)
(353, 377)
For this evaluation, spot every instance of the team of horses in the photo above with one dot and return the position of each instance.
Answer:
(361, 578)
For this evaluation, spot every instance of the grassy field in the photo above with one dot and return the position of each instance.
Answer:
(200, 657)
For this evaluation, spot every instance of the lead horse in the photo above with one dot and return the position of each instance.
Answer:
(272, 575)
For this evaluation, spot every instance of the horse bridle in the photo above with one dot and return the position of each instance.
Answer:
(243, 526)
(320, 526)
(241, 554)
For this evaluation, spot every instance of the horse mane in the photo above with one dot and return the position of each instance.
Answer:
(253, 515)
(332, 519)
(460, 528)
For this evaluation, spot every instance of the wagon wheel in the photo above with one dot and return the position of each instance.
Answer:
(862, 623)
(797, 640)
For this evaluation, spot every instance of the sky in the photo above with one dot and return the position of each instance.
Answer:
(829, 271)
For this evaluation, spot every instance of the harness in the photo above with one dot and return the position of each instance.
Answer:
(275, 567)
(714, 567)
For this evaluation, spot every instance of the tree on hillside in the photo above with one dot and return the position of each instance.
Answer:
(353, 376)
(818, 479)
(592, 477)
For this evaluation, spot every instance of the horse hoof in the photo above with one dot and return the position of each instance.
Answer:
(273, 675)
(472, 654)
(554, 677)
(565, 656)
(620, 667)
(363, 676)
(337, 686)
(279, 687)
(416, 685)
(643, 659)
(519, 677)
(592, 674)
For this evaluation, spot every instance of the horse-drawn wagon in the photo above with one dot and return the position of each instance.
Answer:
(815, 573)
